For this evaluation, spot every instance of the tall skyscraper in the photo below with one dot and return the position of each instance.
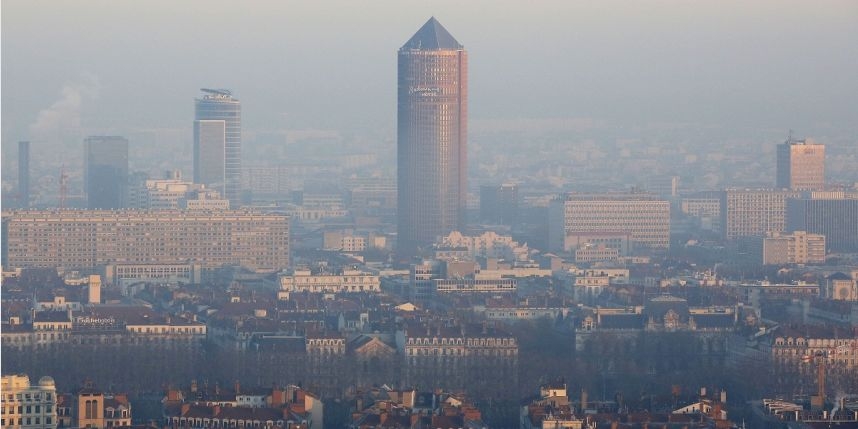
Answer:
(106, 172)
(431, 137)
(24, 174)
(217, 142)
(801, 165)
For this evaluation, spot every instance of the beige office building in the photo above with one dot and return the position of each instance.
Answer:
(83, 239)
(754, 212)
(797, 247)
(801, 165)
(644, 217)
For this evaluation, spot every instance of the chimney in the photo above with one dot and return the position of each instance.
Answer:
(584, 398)
(278, 397)
(193, 386)
(723, 396)
(237, 387)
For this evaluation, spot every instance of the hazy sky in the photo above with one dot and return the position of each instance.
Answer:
(119, 66)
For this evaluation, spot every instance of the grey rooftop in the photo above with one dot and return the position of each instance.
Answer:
(432, 36)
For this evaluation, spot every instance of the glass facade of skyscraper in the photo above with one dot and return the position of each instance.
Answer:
(431, 137)
(219, 105)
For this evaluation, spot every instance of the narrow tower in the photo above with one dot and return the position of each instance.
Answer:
(24, 174)
(431, 137)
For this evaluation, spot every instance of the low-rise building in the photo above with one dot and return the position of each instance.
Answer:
(797, 247)
(583, 240)
(27, 406)
(475, 285)
(172, 192)
(347, 281)
(842, 287)
(203, 408)
(552, 410)
(425, 340)
(412, 409)
(792, 347)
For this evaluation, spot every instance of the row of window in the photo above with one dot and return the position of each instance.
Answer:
(26, 421)
(26, 409)
(28, 397)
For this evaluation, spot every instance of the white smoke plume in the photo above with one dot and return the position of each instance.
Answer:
(62, 119)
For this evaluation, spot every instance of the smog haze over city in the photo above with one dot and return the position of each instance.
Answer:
(436, 214)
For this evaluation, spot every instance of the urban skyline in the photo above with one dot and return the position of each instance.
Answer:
(587, 219)
(89, 103)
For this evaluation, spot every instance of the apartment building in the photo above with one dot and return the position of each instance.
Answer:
(83, 239)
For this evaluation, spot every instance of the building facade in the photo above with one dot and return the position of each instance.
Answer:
(92, 239)
(801, 165)
(106, 172)
(836, 219)
(475, 285)
(431, 137)
(642, 216)
(349, 281)
(217, 142)
(27, 406)
(798, 247)
(707, 211)
(487, 245)
(754, 212)
(173, 193)
(499, 203)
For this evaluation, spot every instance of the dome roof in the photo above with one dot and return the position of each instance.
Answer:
(46, 382)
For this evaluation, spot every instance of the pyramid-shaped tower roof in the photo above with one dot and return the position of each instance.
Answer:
(432, 36)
